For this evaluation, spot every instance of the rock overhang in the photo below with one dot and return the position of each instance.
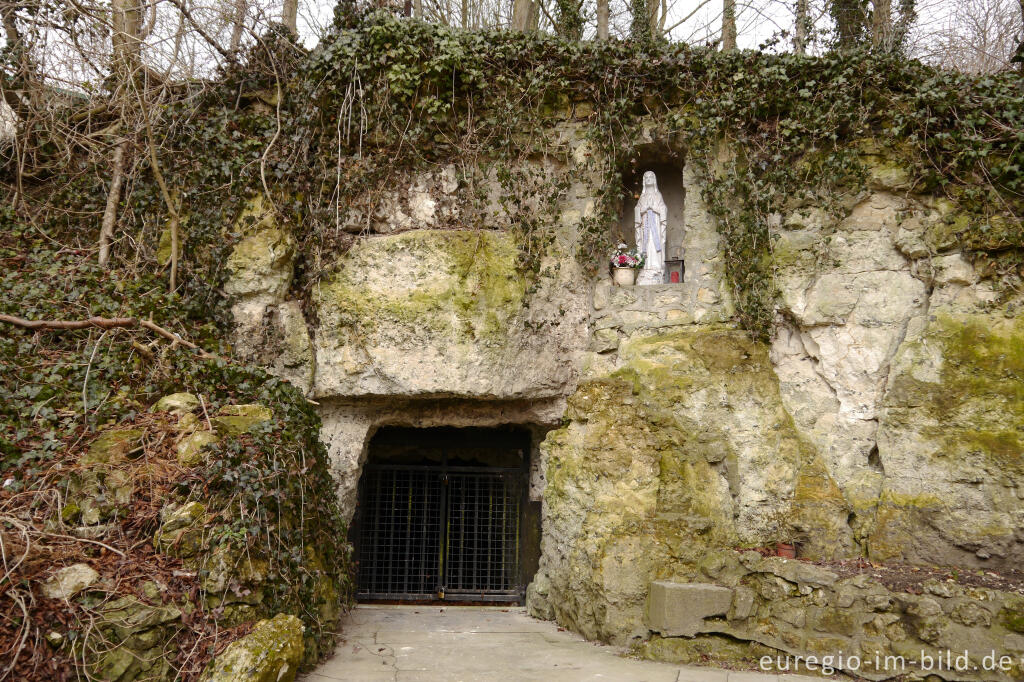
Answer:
(445, 314)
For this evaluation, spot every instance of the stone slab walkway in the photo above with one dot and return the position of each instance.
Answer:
(488, 644)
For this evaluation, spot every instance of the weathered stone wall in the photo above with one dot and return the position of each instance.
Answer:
(882, 420)
(902, 366)
(423, 322)
(861, 626)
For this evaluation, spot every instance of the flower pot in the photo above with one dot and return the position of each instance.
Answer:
(624, 277)
(785, 550)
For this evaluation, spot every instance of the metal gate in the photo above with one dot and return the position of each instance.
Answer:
(439, 532)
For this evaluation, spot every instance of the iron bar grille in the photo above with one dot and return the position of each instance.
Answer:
(400, 532)
(436, 531)
(482, 538)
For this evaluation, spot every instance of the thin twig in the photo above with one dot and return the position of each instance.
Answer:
(158, 175)
(202, 403)
(85, 382)
(77, 539)
(105, 323)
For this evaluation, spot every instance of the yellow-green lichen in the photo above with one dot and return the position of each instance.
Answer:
(272, 652)
(112, 446)
(1012, 614)
(462, 285)
(974, 404)
(234, 420)
(702, 649)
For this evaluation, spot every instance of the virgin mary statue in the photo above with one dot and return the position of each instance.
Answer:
(650, 225)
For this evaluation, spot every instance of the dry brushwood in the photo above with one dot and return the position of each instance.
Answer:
(106, 323)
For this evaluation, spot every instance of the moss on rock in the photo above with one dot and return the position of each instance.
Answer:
(190, 448)
(112, 446)
(234, 420)
(272, 652)
(953, 417)
(459, 284)
(261, 262)
(176, 403)
(716, 650)
(685, 448)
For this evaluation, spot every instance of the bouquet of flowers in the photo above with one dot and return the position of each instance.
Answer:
(625, 257)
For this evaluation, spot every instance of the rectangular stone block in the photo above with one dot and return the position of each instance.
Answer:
(679, 609)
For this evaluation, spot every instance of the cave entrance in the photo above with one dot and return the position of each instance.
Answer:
(443, 514)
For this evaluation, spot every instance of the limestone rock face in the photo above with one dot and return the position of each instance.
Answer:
(289, 345)
(69, 581)
(883, 418)
(190, 448)
(951, 440)
(261, 262)
(234, 420)
(272, 652)
(427, 200)
(850, 297)
(177, 403)
(897, 363)
(261, 267)
(687, 445)
(445, 313)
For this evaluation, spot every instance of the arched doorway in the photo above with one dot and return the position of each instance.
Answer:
(443, 513)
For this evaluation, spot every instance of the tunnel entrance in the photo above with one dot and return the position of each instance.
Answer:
(443, 514)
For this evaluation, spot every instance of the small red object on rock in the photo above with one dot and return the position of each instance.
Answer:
(785, 550)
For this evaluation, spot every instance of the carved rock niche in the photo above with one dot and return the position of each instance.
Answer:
(667, 165)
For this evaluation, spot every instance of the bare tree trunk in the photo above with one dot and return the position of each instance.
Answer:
(237, 25)
(126, 48)
(881, 25)
(11, 33)
(802, 25)
(728, 25)
(125, 20)
(525, 15)
(113, 201)
(602, 19)
(290, 16)
(652, 16)
(465, 13)
(1018, 55)
(417, 9)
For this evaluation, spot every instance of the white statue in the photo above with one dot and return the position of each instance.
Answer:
(650, 225)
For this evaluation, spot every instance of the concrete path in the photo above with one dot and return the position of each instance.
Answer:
(488, 644)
